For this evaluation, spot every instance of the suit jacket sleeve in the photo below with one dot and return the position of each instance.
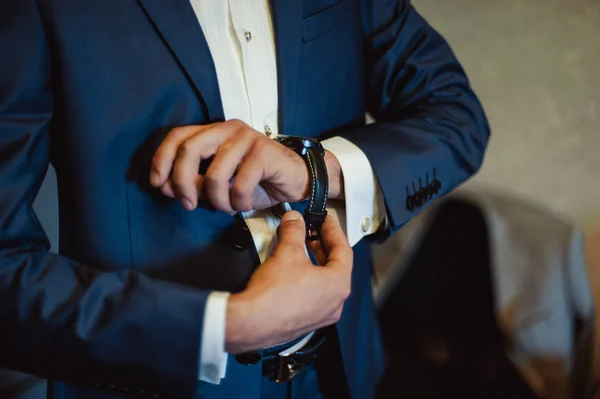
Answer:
(427, 117)
(60, 319)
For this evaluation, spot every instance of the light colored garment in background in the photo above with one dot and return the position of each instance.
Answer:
(541, 287)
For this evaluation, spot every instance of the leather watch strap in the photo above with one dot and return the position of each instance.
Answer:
(314, 155)
(315, 212)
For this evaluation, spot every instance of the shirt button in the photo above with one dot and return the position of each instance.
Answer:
(268, 131)
(248, 35)
(365, 225)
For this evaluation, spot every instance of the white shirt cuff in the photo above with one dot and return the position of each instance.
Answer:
(213, 359)
(363, 210)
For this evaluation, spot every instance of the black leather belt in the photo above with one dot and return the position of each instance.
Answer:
(283, 368)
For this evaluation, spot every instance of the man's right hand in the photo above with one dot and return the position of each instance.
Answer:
(287, 295)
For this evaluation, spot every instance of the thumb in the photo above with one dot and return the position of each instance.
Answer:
(292, 231)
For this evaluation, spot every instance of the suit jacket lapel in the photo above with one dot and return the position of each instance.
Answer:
(287, 19)
(177, 24)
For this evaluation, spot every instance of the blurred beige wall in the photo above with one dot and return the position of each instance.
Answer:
(536, 67)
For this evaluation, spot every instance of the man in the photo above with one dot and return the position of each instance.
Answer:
(159, 120)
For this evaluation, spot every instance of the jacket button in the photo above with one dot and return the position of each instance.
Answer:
(248, 358)
(435, 187)
(428, 192)
(420, 198)
(410, 203)
(241, 238)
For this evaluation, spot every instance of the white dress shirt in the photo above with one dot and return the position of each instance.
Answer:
(241, 40)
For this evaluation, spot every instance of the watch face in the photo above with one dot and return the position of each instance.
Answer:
(310, 143)
(298, 144)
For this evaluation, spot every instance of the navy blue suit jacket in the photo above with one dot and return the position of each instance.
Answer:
(93, 86)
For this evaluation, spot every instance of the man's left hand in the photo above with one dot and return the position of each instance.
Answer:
(248, 170)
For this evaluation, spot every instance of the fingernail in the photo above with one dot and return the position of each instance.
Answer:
(187, 204)
(292, 215)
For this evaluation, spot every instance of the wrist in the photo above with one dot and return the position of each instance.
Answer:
(241, 329)
(335, 175)
(236, 324)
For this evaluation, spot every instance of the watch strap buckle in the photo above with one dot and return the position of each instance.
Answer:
(314, 221)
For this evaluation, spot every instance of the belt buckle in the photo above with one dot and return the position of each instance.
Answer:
(288, 368)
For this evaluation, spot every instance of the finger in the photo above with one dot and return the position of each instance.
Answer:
(194, 149)
(318, 251)
(339, 252)
(168, 190)
(291, 232)
(163, 159)
(248, 177)
(218, 177)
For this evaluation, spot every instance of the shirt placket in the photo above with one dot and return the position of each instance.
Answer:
(253, 37)
(258, 62)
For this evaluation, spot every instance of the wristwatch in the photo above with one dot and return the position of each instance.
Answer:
(313, 154)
